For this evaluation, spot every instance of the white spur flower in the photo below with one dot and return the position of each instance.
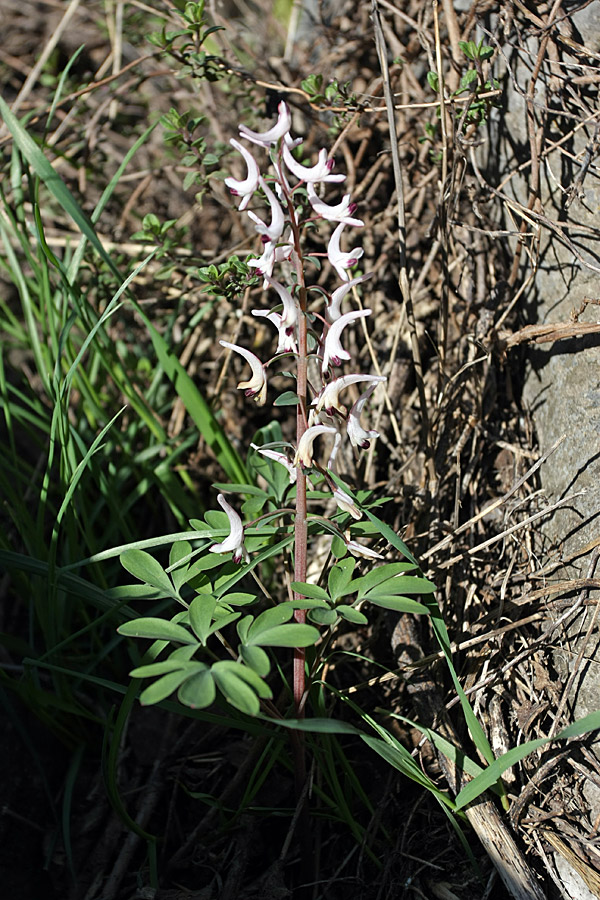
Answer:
(257, 385)
(340, 261)
(244, 188)
(304, 453)
(234, 542)
(329, 398)
(357, 434)
(279, 130)
(321, 171)
(342, 212)
(333, 352)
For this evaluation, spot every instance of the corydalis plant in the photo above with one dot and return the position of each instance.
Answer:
(286, 187)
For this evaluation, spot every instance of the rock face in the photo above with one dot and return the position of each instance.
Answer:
(560, 270)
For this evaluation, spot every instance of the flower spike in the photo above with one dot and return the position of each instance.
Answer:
(235, 540)
(304, 453)
(357, 434)
(245, 188)
(339, 260)
(257, 385)
(333, 352)
(279, 130)
(340, 213)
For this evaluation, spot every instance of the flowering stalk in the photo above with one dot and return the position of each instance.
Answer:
(328, 417)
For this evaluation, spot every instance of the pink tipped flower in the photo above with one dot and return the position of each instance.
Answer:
(234, 542)
(280, 458)
(340, 213)
(275, 229)
(245, 188)
(333, 352)
(286, 338)
(346, 503)
(264, 264)
(290, 309)
(329, 398)
(357, 434)
(357, 549)
(304, 453)
(342, 261)
(279, 130)
(322, 171)
(334, 309)
(257, 385)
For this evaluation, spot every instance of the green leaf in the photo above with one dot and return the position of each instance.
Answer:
(199, 691)
(292, 635)
(200, 614)
(180, 550)
(238, 488)
(351, 615)
(399, 604)
(407, 584)
(144, 567)
(399, 757)
(322, 616)
(257, 659)
(269, 618)
(340, 576)
(433, 81)
(492, 773)
(240, 686)
(156, 668)
(237, 599)
(156, 629)
(165, 686)
(375, 577)
(391, 537)
(317, 725)
(312, 591)
(288, 398)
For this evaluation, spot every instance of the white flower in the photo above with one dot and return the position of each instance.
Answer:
(319, 172)
(304, 453)
(280, 129)
(234, 542)
(275, 229)
(244, 188)
(340, 213)
(264, 264)
(357, 434)
(280, 458)
(357, 549)
(286, 339)
(346, 503)
(342, 261)
(334, 308)
(329, 399)
(257, 385)
(290, 309)
(333, 352)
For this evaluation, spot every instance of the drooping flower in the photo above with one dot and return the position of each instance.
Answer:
(321, 171)
(257, 385)
(279, 130)
(264, 264)
(234, 542)
(357, 434)
(304, 453)
(329, 399)
(286, 341)
(346, 503)
(340, 261)
(273, 231)
(357, 549)
(333, 352)
(281, 458)
(290, 308)
(246, 187)
(342, 212)
(334, 308)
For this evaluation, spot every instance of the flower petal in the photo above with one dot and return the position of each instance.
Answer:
(234, 542)
(334, 307)
(342, 212)
(357, 434)
(304, 453)
(333, 352)
(321, 171)
(246, 187)
(279, 130)
(339, 260)
(257, 385)
(329, 399)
